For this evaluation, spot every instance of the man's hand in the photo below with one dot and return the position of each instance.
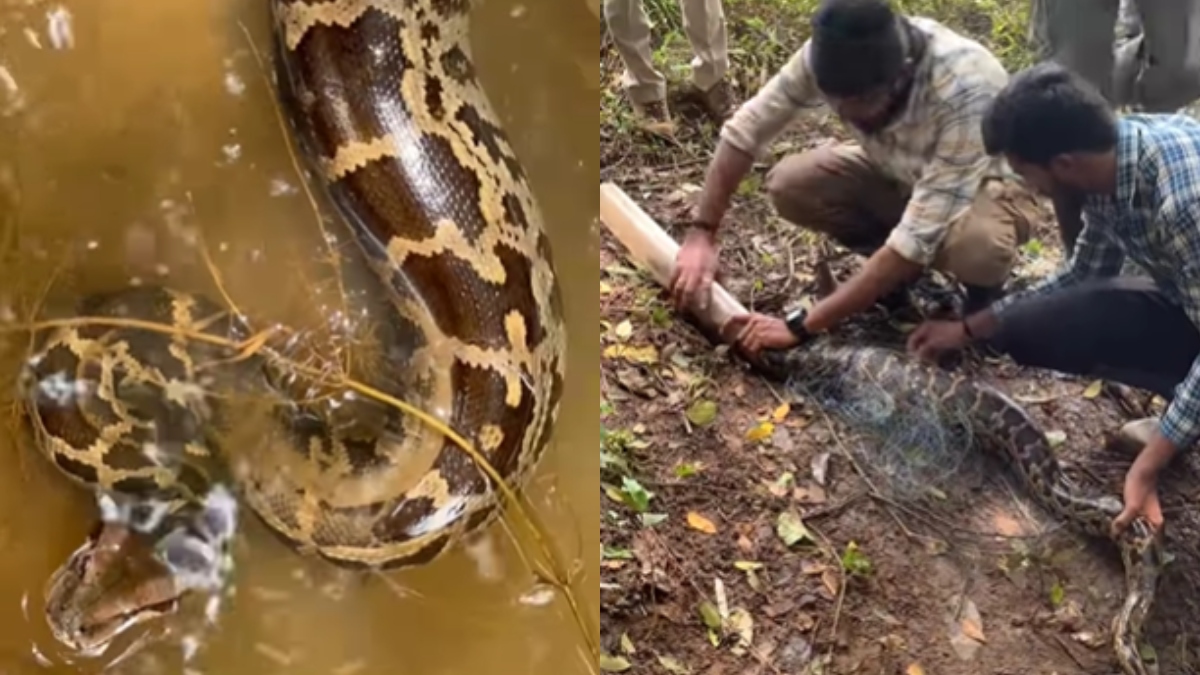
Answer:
(756, 332)
(695, 270)
(933, 338)
(1141, 484)
(883, 272)
(1141, 499)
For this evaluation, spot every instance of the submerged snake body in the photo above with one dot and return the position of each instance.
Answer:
(1003, 427)
(383, 101)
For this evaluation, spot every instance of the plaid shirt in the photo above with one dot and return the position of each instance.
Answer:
(1154, 220)
(935, 145)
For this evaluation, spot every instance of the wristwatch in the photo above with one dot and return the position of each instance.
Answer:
(795, 323)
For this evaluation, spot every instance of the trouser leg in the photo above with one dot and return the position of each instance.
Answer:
(1170, 69)
(1122, 329)
(704, 24)
(1079, 35)
(630, 30)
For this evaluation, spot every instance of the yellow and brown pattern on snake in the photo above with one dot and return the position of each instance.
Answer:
(1003, 427)
(383, 101)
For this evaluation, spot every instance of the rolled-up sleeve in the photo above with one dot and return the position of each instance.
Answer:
(761, 120)
(947, 185)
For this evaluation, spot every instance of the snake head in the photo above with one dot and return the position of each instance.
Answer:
(110, 584)
(126, 575)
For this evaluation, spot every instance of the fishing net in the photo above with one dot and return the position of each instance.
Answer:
(911, 445)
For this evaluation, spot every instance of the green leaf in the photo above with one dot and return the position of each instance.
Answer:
(709, 615)
(702, 412)
(610, 553)
(854, 562)
(660, 316)
(686, 470)
(652, 519)
(609, 460)
(637, 497)
(791, 529)
(1057, 594)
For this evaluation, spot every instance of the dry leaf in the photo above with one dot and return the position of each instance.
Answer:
(614, 664)
(1093, 389)
(966, 628)
(672, 665)
(973, 630)
(624, 330)
(914, 669)
(742, 625)
(647, 354)
(699, 522)
(820, 468)
(605, 288)
(627, 644)
(830, 579)
(781, 412)
(760, 432)
(791, 529)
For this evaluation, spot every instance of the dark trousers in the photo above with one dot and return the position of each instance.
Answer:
(1122, 329)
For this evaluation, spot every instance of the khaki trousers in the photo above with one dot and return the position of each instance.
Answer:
(704, 24)
(837, 191)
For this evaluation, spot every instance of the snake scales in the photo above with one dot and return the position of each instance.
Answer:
(382, 99)
(1003, 427)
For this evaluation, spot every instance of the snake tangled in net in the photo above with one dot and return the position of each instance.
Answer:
(1000, 426)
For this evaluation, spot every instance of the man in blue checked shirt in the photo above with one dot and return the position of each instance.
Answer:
(1139, 182)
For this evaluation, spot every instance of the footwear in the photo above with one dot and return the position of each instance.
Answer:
(1133, 436)
(718, 101)
(655, 117)
(980, 297)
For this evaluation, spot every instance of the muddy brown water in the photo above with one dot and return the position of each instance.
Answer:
(128, 127)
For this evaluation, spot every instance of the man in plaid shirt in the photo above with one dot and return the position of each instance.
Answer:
(915, 190)
(1138, 178)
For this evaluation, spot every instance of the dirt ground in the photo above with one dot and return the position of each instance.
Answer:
(747, 533)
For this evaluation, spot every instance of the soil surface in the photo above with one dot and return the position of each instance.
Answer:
(747, 530)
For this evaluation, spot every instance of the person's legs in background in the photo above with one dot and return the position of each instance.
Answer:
(644, 84)
(1169, 75)
(704, 23)
(646, 87)
(1078, 35)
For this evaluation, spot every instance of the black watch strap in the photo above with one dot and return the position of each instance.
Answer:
(795, 323)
